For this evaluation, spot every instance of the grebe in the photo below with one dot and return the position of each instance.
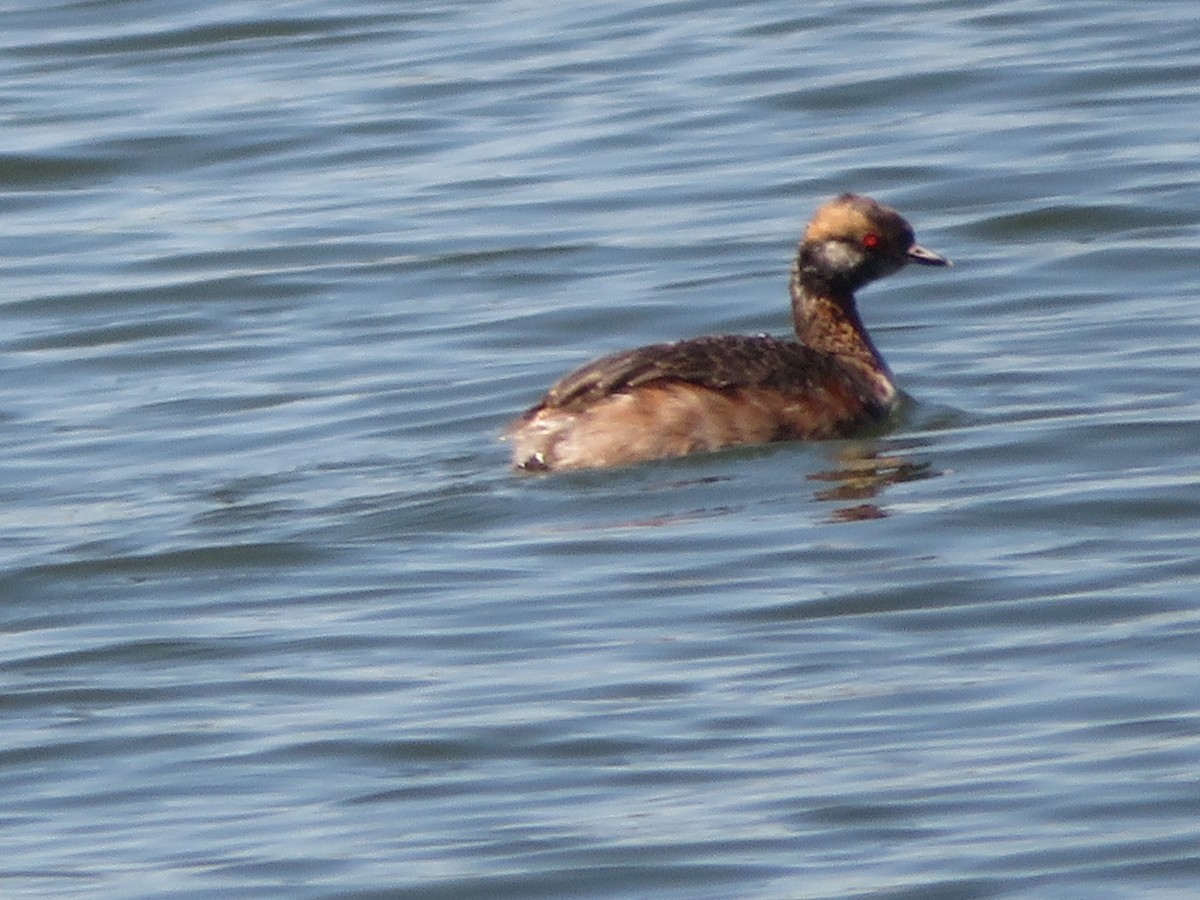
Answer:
(668, 400)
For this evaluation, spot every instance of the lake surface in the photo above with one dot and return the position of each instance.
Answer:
(279, 622)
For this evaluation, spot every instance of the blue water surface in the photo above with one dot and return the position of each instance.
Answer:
(277, 619)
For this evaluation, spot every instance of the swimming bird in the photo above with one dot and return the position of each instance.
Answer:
(708, 393)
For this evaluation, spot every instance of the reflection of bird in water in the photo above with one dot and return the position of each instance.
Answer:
(861, 475)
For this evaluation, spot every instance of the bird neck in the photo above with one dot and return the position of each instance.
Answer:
(826, 319)
(826, 316)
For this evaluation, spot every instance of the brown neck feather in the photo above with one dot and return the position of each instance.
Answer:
(827, 320)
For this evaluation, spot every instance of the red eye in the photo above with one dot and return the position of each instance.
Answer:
(870, 241)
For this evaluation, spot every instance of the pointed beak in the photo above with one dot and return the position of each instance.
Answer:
(918, 254)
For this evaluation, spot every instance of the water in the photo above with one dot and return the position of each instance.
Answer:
(277, 620)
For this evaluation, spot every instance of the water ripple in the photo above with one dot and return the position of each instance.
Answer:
(278, 621)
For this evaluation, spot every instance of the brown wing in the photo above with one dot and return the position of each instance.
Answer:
(722, 362)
